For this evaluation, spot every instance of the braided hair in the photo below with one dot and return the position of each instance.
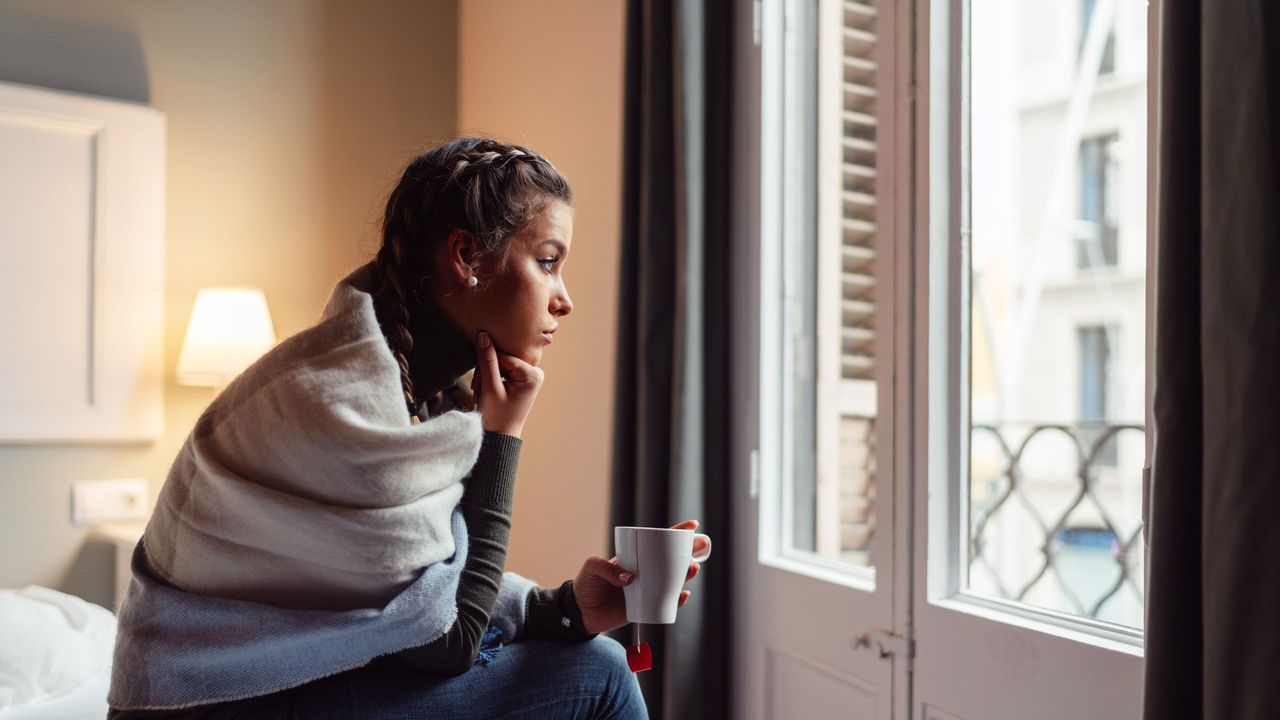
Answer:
(487, 187)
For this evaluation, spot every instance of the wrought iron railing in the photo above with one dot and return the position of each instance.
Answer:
(1094, 445)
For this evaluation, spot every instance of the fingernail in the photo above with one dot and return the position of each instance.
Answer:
(484, 339)
(624, 577)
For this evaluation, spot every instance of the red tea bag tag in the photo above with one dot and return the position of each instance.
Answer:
(639, 657)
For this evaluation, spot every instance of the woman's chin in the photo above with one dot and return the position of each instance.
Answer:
(532, 356)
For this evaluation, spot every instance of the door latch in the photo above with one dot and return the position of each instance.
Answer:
(886, 643)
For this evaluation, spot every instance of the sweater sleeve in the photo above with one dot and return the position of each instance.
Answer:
(482, 587)
(553, 614)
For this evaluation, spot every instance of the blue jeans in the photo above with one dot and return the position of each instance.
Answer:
(542, 679)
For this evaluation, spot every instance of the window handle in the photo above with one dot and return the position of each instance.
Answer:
(886, 643)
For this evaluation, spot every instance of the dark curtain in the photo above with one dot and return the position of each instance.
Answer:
(671, 438)
(1213, 619)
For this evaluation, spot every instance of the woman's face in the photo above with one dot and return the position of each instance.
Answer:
(521, 307)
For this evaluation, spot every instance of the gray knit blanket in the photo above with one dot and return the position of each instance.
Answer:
(305, 527)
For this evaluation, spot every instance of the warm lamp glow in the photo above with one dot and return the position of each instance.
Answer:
(229, 329)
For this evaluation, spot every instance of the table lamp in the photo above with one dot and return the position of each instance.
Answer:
(230, 328)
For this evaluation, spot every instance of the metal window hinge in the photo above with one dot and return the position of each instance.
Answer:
(886, 643)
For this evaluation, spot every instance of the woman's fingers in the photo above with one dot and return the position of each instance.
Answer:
(600, 567)
(490, 377)
(515, 370)
(700, 545)
(504, 402)
(684, 597)
(693, 570)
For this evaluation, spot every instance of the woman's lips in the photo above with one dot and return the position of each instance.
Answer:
(547, 335)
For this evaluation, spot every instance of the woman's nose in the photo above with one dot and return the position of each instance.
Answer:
(563, 305)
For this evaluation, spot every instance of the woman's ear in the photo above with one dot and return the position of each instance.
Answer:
(460, 250)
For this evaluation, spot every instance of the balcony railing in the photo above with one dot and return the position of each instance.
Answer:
(1043, 496)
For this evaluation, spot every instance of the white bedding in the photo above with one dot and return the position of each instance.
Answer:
(55, 655)
(88, 700)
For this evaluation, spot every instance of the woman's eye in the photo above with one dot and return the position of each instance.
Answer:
(549, 263)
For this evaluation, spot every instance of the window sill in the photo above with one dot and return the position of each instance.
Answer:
(1102, 635)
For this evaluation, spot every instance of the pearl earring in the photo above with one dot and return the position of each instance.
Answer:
(472, 281)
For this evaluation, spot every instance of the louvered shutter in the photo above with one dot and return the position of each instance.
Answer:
(847, 483)
(858, 211)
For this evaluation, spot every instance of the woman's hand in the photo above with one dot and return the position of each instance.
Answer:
(598, 587)
(504, 403)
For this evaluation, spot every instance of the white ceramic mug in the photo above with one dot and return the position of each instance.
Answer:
(659, 558)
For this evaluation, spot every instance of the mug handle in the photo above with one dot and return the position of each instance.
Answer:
(703, 556)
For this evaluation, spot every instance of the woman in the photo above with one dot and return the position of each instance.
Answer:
(317, 553)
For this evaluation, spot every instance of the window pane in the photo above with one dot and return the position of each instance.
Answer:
(1108, 62)
(1057, 195)
(1099, 183)
(831, 122)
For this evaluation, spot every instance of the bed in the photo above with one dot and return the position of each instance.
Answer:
(55, 655)
(88, 700)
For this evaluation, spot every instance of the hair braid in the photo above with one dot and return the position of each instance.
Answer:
(390, 297)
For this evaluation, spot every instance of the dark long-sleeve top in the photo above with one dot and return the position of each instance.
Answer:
(441, 358)
(486, 507)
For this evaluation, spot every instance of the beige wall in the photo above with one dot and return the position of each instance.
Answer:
(549, 74)
(287, 123)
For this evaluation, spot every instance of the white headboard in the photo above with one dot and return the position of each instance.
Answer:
(81, 268)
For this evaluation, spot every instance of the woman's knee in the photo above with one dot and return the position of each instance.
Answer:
(604, 651)
(595, 671)
(619, 690)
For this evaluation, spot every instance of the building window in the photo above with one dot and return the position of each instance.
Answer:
(1095, 372)
(1096, 238)
(1108, 63)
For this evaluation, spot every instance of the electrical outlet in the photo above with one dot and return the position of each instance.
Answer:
(99, 501)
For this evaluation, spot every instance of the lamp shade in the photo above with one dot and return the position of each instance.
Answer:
(229, 329)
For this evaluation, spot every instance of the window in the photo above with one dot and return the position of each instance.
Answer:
(1033, 557)
(1096, 244)
(1088, 9)
(823, 360)
(1095, 372)
(916, 453)
(1094, 356)
(1052, 523)
(831, 267)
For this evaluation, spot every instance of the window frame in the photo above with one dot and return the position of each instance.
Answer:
(773, 479)
(943, 299)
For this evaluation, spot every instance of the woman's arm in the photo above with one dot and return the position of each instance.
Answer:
(553, 614)
(486, 507)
